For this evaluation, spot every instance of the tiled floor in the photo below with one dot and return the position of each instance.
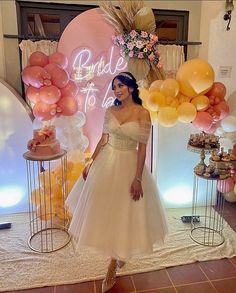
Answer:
(200, 277)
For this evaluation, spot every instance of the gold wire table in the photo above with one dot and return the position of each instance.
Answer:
(209, 230)
(47, 191)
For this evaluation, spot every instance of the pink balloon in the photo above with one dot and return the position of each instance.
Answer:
(68, 106)
(203, 121)
(71, 89)
(218, 90)
(49, 94)
(32, 94)
(59, 77)
(226, 185)
(44, 111)
(49, 68)
(33, 75)
(38, 59)
(59, 59)
(222, 109)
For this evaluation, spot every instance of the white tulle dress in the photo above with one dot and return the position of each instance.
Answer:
(105, 216)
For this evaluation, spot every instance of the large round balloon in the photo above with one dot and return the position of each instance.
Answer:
(203, 121)
(167, 116)
(195, 77)
(38, 59)
(155, 100)
(186, 112)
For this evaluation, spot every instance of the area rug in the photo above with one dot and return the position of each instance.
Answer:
(21, 268)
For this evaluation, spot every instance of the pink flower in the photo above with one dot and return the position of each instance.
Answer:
(120, 38)
(133, 34)
(154, 38)
(131, 54)
(149, 46)
(144, 34)
(122, 53)
(130, 46)
(151, 57)
(139, 44)
(159, 65)
(140, 55)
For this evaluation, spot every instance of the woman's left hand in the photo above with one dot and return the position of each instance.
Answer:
(136, 190)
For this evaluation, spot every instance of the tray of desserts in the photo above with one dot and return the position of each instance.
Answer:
(222, 159)
(203, 141)
(211, 172)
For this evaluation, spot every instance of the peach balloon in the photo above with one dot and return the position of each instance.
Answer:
(38, 59)
(71, 89)
(59, 59)
(33, 75)
(155, 85)
(44, 111)
(186, 112)
(155, 100)
(167, 116)
(59, 77)
(201, 102)
(169, 87)
(32, 93)
(203, 121)
(218, 89)
(68, 106)
(49, 94)
(230, 196)
(222, 110)
(143, 93)
(195, 77)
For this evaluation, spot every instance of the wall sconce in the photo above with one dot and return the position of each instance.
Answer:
(229, 7)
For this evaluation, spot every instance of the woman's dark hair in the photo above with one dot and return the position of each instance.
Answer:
(128, 79)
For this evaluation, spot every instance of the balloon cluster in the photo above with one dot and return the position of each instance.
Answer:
(49, 86)
(49, 199)
(192, 97)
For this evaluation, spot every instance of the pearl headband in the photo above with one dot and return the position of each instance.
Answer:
(125, 75)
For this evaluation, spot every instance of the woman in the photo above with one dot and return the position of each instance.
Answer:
(115, 204)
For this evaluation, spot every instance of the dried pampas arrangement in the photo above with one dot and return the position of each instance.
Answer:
(135, 27)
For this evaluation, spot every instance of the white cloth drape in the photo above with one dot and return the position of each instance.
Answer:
(28, 47)
(172, 56)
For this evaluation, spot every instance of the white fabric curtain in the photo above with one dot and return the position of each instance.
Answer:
(172, 56)
(28, 47)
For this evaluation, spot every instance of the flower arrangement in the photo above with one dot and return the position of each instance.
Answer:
(139, 44)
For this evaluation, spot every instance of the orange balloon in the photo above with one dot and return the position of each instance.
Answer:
(155, 100)
(201, 102)
(195, 77)
(183, 99)
(143, 94)
(170, 87)
(155, 85)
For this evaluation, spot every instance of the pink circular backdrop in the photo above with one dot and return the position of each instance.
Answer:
(93, 62)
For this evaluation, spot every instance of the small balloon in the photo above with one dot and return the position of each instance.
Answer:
(38, 58)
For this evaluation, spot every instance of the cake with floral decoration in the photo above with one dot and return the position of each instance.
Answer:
(44, 142)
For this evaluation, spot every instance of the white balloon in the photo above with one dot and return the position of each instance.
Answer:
(231, 136)
(229, 123)
(219, 131)
(226, 143)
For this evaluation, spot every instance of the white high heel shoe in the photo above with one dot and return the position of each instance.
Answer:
(110, 278)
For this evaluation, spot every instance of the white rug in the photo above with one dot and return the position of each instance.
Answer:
(21, 268)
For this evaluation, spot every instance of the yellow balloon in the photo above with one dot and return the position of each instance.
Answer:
(155, 85)
(195, 77)
(169, 100)
(174, 103)
(167, 116)
(155, 100)
(186, 112)
(183, 99)
(153, 116)
(170, 87)
(201, 102)
(143, 94)
(36, 195)
(44, 211)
